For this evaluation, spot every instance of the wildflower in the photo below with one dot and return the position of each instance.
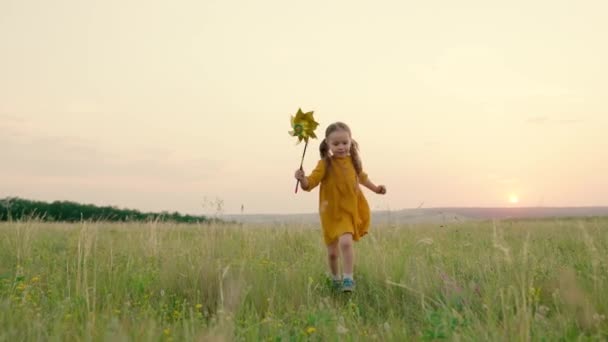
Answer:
(199, 306)
(311, 330)
(167, 332)
(35, 279)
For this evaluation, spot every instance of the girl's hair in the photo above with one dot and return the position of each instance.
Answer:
(354, 147)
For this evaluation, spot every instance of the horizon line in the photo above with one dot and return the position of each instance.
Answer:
(436, 208)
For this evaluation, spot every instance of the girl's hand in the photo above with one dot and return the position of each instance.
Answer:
(381, 189)
(299, 174)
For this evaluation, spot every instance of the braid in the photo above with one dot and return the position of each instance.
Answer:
(324, 151)
(354, 156)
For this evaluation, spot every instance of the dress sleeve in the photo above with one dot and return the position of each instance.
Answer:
(316, 176)
(363, 177)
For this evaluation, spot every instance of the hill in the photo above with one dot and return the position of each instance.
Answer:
(435, 215)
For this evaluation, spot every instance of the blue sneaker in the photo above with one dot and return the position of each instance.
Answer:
(348, 285)
(334, 284)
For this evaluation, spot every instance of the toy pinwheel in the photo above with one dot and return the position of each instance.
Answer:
(304, 126)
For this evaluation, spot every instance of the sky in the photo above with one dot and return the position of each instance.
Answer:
(158, 105)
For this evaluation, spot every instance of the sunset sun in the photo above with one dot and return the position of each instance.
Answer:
(513, 199)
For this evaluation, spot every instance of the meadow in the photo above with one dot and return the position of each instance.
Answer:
(534, 280)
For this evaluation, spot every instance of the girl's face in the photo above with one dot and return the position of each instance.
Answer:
(339, 143)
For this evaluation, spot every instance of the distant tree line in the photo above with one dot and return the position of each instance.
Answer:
(14, 208)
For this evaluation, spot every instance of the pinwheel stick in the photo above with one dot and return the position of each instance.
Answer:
(301, 163)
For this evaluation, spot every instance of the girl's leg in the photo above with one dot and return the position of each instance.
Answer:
(332, 259)
(348, 253)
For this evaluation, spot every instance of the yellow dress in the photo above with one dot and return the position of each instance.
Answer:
(342, 205)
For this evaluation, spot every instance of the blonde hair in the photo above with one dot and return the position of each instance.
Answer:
(354, 148)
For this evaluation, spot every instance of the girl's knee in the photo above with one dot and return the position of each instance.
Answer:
(346, 240)
(332, 250)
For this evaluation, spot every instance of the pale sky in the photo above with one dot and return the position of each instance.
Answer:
(157, 105)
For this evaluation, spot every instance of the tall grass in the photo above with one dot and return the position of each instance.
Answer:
(507, 280)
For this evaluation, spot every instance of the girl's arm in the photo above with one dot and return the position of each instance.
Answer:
(310, 182)
(379, 189)
(301, 176)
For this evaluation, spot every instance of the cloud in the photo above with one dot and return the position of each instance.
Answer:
(10, 125)
(538, 120)
(10, 119)
(502, 179)
(569, 121)
(508, 180)
(8, 133)
(544, 120)
(74, 158)
(82, 106)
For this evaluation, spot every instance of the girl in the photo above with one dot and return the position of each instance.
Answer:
(344, 211)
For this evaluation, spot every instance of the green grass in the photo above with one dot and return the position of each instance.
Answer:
(505, 281)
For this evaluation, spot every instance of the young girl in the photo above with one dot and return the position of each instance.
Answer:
(344, 211)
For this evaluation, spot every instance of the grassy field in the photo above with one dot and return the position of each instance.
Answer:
(484, 281)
